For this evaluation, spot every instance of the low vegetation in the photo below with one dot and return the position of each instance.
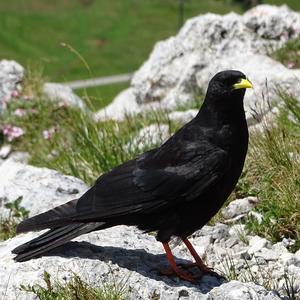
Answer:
(75, 289)
(15, 214)
(289, 55)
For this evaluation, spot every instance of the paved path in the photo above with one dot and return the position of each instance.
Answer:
(79, 84)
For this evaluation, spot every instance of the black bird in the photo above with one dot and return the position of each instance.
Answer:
(174, 189)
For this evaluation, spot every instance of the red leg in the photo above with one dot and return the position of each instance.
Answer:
(180, 273)
(201, 265)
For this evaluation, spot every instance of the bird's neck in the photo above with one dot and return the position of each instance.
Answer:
(213, 114)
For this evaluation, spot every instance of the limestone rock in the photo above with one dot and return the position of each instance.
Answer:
(181, 66)
(123, 105)
(11, 75)
(63, 94)
(236, 290)
(256, 244)
(5, 150)
(239, 207)
(41, 188)
(183, 117)
(151, 135)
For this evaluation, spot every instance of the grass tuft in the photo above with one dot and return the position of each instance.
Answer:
(289, 54)
(75, 289)
(16, 214)
(273, 172)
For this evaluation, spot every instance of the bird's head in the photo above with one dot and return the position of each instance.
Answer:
(227, 86)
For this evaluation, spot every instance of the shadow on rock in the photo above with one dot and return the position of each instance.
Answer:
(137, 260)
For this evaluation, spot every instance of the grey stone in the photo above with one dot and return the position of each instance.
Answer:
(153, 134)
(63, 94)
(123, 105)
(256, 243)
(5, 150)
(267, 254)
(183, 117)
(288, 259)
(11, 75)
(202, 243)
(236, 290)
(256, 215)
(39, 187)
(239, 207)
(107, 256)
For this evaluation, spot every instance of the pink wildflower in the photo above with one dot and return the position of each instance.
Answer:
(62, 104)
(20, 112)
(48, 134)
(12, 132)
(33, 110)
(290, 65)
(15, 94)
(26, 97)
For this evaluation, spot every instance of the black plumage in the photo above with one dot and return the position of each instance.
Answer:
(174, 189)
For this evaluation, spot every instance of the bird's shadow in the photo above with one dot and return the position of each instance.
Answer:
(138, 260)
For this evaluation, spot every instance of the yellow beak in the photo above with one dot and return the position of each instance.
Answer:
(243, 84)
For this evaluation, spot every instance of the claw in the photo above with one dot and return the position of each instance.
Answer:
(180, 273)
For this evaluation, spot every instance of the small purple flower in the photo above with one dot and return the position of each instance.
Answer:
(20, 112)
(26, 97)
(15, 94)
(48, 133)
(33, 110)
(12, 132)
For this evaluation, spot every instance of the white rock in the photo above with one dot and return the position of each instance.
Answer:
(182, 65)
(108, 257)
(256, 243)
(5, 150)
(153, 134)
(63, 94)
(297, 255)
(268, 254)
(11, 75)
(287, 242)
(235, 290)
(41, 188)
(124, 104)
(239, 207)
(183, 117)
(279, 247)
(256, 215)
(201, 244)
(294, 270)
(288, 259)
(238, 230)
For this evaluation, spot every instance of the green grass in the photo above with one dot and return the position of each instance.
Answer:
(272, 173)
(113, 36)
(93, 148)
(16, 214)
(289, 54)
(102, 95)
(75, 289)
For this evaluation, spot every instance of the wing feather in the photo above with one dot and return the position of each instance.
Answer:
(155, 180)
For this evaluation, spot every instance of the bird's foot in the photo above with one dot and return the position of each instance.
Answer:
(205, 270)
(180, 273)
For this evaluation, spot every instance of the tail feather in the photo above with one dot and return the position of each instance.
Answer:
(57, 217)
(53, 238)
